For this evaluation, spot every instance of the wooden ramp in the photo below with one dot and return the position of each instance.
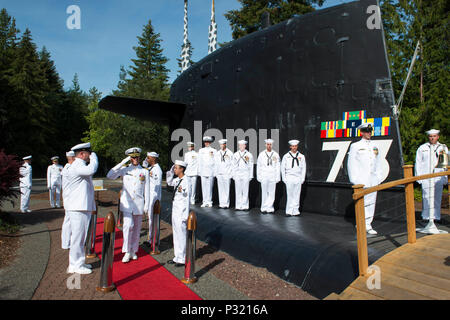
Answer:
(419, 271)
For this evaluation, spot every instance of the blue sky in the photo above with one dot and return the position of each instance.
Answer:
(109, 29)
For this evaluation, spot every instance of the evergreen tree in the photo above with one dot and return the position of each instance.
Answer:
(111, 134)
(248, 18)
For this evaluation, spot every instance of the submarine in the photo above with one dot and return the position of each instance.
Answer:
(315, 78)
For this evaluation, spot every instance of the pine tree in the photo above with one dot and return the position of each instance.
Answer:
(248, 18)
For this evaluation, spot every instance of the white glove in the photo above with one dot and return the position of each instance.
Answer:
(93, 156)
(125, 160)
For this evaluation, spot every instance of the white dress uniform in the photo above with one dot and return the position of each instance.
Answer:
(224, 169)
(54, 183)
(180, 214)
(268, 174)
(426, 161)
(206, 170)
(293, 171)
(364, 167)
(134, 201)
(65, 229)
(191, 159)
(80, 203)
(242, 175)
(25, 186)
(155, 176)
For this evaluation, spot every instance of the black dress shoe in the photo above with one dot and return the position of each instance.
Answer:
(171, 262)
(179, 264)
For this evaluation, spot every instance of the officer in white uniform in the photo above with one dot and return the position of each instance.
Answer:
(242, 175)
(80, 203)
(191, 159)
(426, 160)
(65, 229)
(364, 167)
(180, 210)
(293, 171)
(224, 169)
(134, 199)
(155, 175)
(268, 174)
(25, 180)
(206, 170)
(54, 182)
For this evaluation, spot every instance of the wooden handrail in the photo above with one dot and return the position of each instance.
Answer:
(394, 183)
(358, 195)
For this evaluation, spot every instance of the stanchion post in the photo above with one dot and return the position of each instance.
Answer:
(189, 265)
(361, 238)
(106, 282)
(119, 223)
(155, 228)
(89, 249)
(410, 209)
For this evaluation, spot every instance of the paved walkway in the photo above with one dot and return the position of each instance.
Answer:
(39, 269)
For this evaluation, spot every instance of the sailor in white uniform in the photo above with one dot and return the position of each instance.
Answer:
(155, 175)
(54, 182)
(180, 210)
(364, 167)
(242, 175)
(134, 200)
(293, 171)
(268, 174)
(426, 160)
(25, 180)
(65, 229)
(80, 203)
(191, 159)
(224, 169)
(206, 170)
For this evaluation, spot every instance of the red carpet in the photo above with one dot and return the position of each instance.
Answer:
(144, 278)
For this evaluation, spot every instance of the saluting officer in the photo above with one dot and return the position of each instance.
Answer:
(54, 182)
(224, 168)
(293, 171)
(80, 203)
(364, 167)
(180, 210)
(134, 199)
(155, 174)
(26, 182)
(268, 174)
(65, 229)
(191, 159)
(206, 170)
(426, 160)
(242, 174)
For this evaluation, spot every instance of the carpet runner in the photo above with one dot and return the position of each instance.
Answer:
(144, 278)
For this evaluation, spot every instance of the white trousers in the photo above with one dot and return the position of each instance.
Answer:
(267, 195)
(131, 230)
(293, 190)
(66, 232)
(24, 198)
(241, 188)
(223, 187)
(192, 187)
(79, 224)
(179, 227)
(207, 190)
(431, 199)
(150, 218)
(369, 208)
(55, 195)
